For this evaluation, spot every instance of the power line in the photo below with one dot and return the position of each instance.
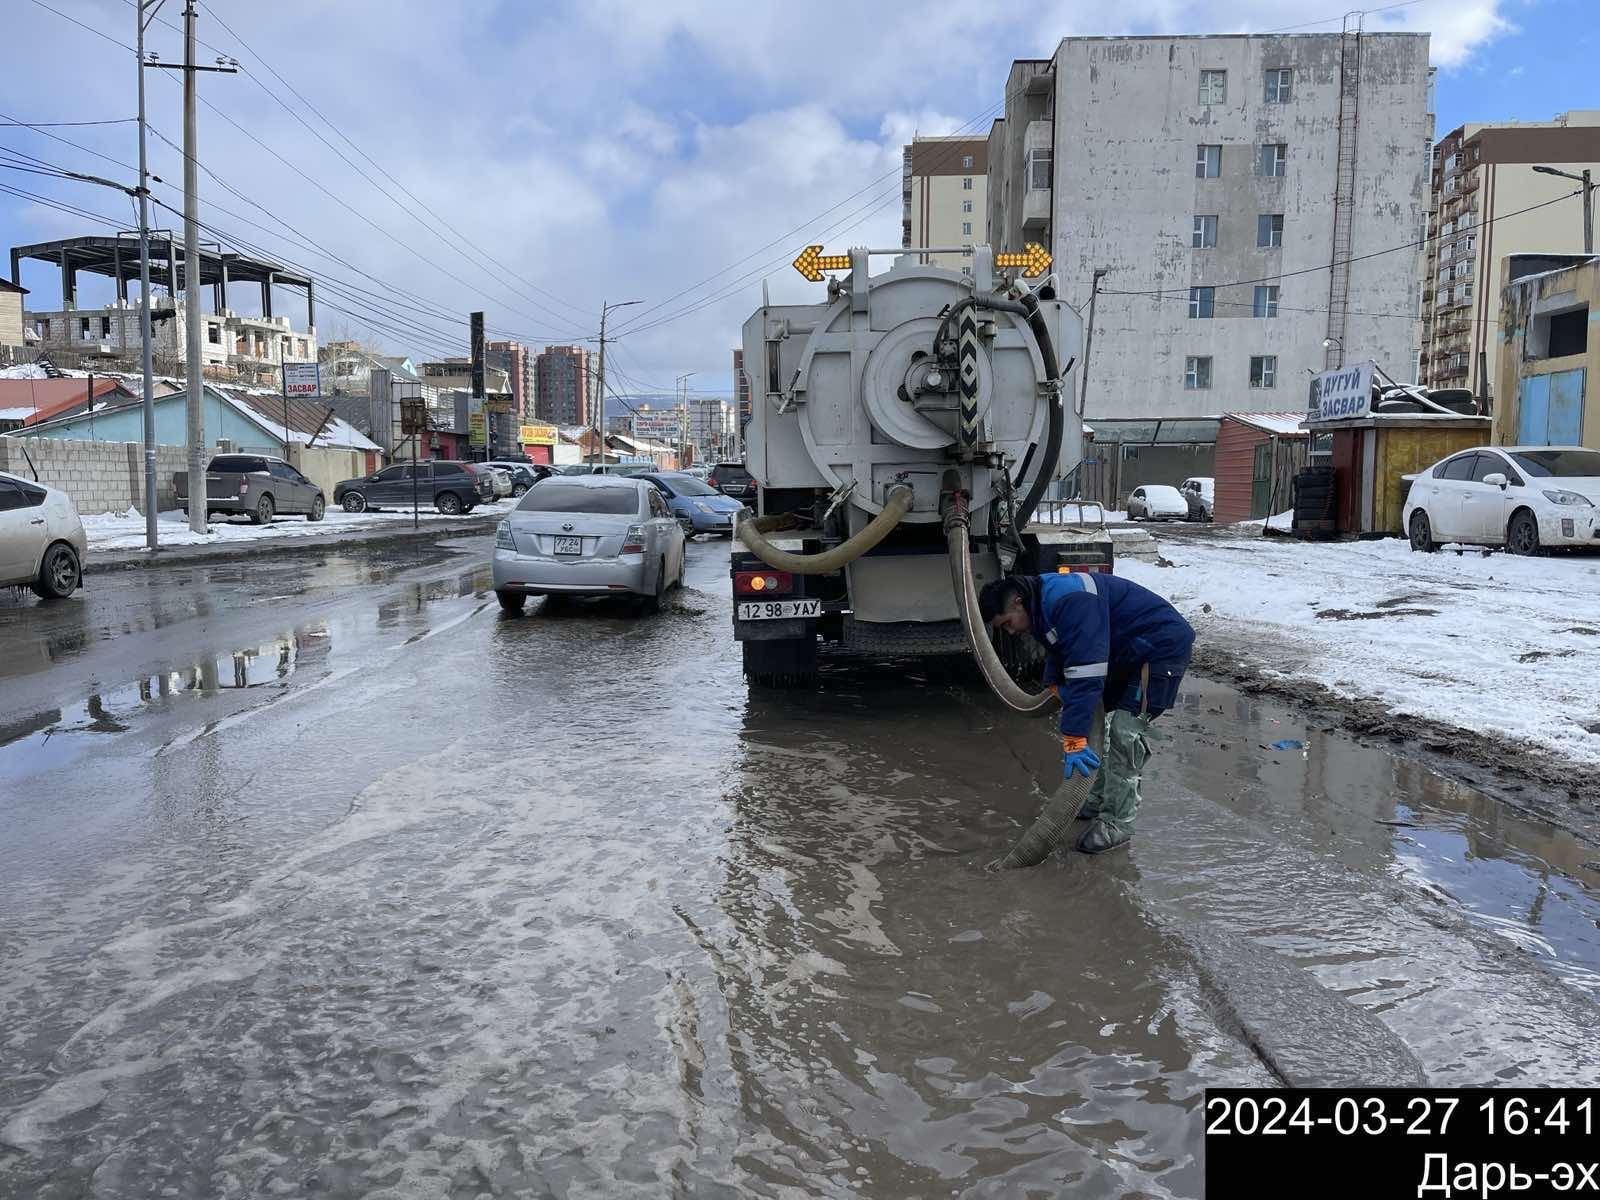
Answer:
(81, 25)
(67, 124)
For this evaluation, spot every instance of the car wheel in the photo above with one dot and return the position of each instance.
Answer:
(59, 573)
(1421, 533)
(1522, 536)
(354, 502)
(518, 490)
(263, 512)
(448, 503)
(511, 602)
(319, 509)
(652, 603)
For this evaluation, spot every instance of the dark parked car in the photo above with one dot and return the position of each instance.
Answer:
(731, 479)
(451, 487)
(257, 486)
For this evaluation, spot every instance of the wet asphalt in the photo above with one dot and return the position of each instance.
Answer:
(319, 875)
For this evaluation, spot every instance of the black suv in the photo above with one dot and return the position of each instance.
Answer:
(731, 479)
(451, 487)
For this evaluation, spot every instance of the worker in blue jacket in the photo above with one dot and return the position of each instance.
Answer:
(1105, 638)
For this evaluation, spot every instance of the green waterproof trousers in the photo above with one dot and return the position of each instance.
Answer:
(1114, 795)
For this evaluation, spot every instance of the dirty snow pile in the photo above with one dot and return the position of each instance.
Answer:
(125, 530)
(1498, 645)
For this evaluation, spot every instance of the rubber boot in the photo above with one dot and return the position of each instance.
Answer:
(1097, 789)
(1118, 782)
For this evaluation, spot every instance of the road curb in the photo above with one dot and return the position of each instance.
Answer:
(129, 560)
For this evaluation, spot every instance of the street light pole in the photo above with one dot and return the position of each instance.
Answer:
(1328, 343)
(684, 423)
(1588, 201)
(149, 406)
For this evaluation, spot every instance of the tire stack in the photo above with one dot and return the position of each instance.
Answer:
(1316, 503)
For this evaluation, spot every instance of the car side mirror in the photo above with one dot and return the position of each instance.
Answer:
(1496, 479)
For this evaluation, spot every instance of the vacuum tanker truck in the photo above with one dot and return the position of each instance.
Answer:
(903, 432)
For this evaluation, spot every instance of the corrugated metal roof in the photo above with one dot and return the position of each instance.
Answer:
(1280, 423)
(47, 398)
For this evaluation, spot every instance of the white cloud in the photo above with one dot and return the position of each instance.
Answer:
(609, 149)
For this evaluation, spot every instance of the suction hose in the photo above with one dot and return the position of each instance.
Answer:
(752, 531)
(1053, 826)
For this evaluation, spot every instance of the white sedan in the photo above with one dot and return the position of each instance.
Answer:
(41, 538)
(1524, 498)
(1157, 502)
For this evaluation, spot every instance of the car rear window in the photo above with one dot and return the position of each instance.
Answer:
(1560, 464)
(448, 468)
(551, 496)
(734, 474)
(242, 463)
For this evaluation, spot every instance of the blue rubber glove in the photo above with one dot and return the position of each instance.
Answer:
(1082, 761)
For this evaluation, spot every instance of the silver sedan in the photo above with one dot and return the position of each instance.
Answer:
(587, 535)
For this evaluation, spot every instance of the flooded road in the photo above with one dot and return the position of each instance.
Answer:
(324, 877)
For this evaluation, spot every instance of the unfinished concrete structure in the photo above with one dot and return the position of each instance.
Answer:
(233, 344)
(1224, 184)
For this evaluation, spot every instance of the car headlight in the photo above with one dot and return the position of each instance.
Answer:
(1561, 497)
(704, 507)
(502, 537)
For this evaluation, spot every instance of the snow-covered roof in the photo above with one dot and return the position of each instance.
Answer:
(24, 371)
(1280, 423)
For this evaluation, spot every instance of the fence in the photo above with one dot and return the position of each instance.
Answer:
(99, 476)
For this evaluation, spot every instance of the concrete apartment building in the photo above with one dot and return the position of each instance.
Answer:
(516, 360)
(1484, 183)
(11, 295)
(1223, 184)
(944, 183)
(561, 384)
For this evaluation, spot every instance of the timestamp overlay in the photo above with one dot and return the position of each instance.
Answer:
(1374, 1143)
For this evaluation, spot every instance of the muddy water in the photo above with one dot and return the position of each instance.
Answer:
(440, 903)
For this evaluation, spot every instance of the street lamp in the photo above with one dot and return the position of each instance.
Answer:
(1329, 342)
(1588, 202)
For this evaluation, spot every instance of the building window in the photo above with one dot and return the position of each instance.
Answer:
(1213, 87)
(83, 328)
(105, 326)
(966, 183)
(1040, 168)
(1273, 159)
(966, 228)
(1207, 162)
(1278, 83)
(1197, 373)
(213, 334)
(1266, 303)
(1269, 230)
(966, 162)
(966, 206)
(1263, 370)
(1205, 233)
(1202, 301)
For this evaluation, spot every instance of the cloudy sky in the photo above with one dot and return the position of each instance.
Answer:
(535, 158)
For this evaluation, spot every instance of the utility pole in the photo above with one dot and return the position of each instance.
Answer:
(600, 382)
(149, 405)
(195, 406)
(1586, 178)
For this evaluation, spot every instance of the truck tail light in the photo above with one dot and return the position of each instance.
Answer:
(633, 540)
(763, 583)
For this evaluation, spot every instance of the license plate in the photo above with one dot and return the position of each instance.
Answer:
(777, 610)
(569, 545)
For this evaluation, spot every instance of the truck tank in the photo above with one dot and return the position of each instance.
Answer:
(897, 405)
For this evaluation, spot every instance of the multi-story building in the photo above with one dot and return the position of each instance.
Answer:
(11, 295)
(943, 185)
(516, 360)
(233, 345)
(1490, 201)
(741, 393)
(562, 385)
(1227, 191)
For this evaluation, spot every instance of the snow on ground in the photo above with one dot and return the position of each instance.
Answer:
(1499, 645)
(125, 530)
(24, 371)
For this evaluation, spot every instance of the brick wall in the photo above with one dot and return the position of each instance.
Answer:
(99, 476)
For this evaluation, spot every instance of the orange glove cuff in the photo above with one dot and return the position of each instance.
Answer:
(1071, 745)
(1055, 690)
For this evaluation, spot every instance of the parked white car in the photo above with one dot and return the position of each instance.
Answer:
(41, 538)
(1157, 502)
(498, 476)
(1525, 498)
(1199, 492)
